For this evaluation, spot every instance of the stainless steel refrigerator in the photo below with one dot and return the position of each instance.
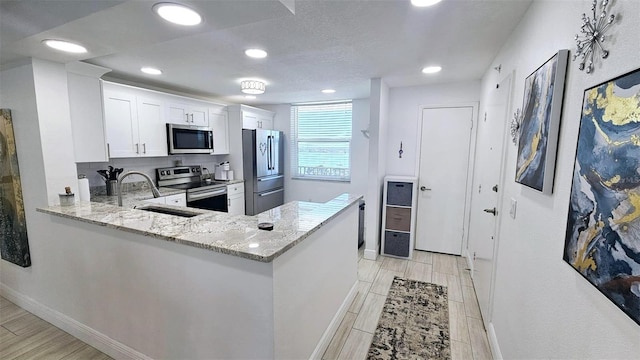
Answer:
(263, 161)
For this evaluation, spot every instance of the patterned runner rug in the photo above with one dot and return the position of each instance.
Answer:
(414, 323)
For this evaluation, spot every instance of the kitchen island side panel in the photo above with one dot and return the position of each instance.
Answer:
(162, 299)
(312, 283)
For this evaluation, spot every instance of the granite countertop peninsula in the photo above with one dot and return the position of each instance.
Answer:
(236, 235)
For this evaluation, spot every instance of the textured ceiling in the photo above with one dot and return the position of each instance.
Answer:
(312, 45)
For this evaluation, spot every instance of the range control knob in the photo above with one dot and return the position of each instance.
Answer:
(162, 172)
(168, 172)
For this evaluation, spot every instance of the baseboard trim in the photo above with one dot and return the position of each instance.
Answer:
(493, 342)
(467, 256)
(334, 324)
(370, 254)
(98, 340)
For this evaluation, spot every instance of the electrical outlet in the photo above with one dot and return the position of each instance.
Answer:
(512, 210)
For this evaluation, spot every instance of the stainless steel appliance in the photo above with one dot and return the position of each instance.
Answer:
(200, 194)
(263, 161)
(184, 139)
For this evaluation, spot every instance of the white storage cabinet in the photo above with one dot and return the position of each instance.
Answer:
(219, 123)
(187, 112)
(399, 216)
(251, 117)
(175, 200)
(134, 120)
(235, 199)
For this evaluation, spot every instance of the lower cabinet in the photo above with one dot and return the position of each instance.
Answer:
(235, 199)
(175, 200)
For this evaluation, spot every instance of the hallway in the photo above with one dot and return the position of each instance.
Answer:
(467, 333)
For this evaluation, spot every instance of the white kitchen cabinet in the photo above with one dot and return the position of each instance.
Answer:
(187, 114)
(252, 118)
(175, 200)
(134, 122)
(219, 123)
(235, 199)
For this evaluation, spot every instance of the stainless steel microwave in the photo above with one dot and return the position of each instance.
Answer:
(184, 139)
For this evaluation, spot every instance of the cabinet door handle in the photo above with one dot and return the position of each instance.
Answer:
(108, 151)
(192, 117)
(137, 148)
(228, 202)
(187, 116)
(144, 148)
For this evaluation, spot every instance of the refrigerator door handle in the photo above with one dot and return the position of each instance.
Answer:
(268, 152)
(270, 178)
(271, 152)
(270, 192)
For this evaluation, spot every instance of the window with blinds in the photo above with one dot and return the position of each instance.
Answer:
(321, 141)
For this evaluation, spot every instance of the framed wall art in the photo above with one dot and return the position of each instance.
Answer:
(14, 245)
(603, 228)
(542, 106)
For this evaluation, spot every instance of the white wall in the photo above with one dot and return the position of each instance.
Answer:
(321, 191)
(405, 115)
(542, 307)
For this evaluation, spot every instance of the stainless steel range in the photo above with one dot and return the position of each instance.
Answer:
(201, 194)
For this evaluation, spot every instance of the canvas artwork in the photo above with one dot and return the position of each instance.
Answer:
(603, 228)
(14, 245)
(543, 94)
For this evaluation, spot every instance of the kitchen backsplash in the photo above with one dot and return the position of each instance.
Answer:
(147, 165)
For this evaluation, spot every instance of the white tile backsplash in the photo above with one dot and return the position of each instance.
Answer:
(147, 165)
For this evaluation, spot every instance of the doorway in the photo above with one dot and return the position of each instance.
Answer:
(487, 194)
(444, 177)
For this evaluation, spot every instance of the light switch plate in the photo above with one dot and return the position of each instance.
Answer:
(512, 210)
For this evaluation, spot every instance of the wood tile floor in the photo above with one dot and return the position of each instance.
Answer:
(26, 336)
(467, 333)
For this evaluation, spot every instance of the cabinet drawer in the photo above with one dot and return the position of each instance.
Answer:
(396, 243)
(398, 219)
(399, 193)
(235, 189)
(176, 200)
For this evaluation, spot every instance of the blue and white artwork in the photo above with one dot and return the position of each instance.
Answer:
(603, 229)
(543, 93)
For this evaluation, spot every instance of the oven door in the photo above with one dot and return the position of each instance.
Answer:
(212, 199)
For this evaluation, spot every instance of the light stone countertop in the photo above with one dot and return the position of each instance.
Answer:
(236, 235)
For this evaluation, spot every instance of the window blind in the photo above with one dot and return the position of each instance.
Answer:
(321, 141)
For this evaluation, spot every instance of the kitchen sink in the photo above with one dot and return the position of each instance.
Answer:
(168, 211)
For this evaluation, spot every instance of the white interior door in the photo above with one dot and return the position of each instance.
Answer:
(444, 166)
(485, 199)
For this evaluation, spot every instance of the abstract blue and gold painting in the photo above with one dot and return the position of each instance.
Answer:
(14, 246)
(603, 229)
(541, 109)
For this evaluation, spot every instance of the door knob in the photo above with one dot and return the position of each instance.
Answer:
(424, 188)
(491, 211)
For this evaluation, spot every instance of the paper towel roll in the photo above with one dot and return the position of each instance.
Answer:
(83, 189)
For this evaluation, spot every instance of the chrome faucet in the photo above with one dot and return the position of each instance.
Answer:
(154, 189)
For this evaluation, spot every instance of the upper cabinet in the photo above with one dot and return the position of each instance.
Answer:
(187, 113)
(219, 123)
(85, 106)
(253, 118)
(134, 121)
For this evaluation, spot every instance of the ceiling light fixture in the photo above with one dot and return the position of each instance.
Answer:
(328, 91)
(256, 53)
(431, 69)
(254, 87)
(424, 3)
(65, 46)
(177, 14)
(151, 71)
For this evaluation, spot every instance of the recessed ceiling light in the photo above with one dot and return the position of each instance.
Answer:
(328, 91)
(151, 71)
(431, 69)
(177, 14)
(256, 53)
(65, 46)
(424, 3)
(251, 97)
